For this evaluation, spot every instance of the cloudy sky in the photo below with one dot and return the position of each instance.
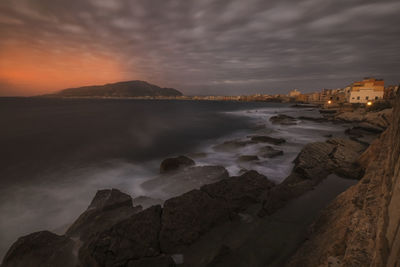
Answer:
(197, 46)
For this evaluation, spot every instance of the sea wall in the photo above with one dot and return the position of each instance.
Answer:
(361, 226)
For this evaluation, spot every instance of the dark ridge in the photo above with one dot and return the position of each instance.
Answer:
(119, 89)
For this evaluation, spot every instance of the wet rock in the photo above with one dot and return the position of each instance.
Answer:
(267, 139)
(41, 249)
(147, 202)
(313, 164)
(185, 218)
(316, 119)
(185, 180)
(246, 158)
(107, 208)
(173, 164)
(129, 240)
(283, 120)
(232, 145)
(240, 191)
(270, 152)
(314, 160)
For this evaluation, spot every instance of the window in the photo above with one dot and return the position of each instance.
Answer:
(376, 98)
(358, 98)
(353, 97)
(366, 98)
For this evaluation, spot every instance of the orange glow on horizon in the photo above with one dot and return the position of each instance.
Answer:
(35, 71)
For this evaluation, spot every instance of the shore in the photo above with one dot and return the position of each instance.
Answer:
(242, 219)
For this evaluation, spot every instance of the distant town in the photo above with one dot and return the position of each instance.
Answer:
(366, 91)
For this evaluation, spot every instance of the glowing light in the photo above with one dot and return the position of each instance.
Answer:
(369, 103)
(329, 102)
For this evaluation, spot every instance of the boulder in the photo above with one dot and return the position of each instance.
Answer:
(283, 120)
(106, 209)
(41, 249)
(246, 158)
(185, 218)
(270, 152)
(240, 191)
(313, 164)
(267, 139)
(132, 239)
(177, 183)
(173, 164)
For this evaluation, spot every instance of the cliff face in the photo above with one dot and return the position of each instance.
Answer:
(361, 226)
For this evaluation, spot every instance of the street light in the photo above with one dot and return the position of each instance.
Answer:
(369, 103)
(330, 102)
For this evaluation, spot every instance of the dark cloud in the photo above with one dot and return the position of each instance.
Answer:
(220, 47)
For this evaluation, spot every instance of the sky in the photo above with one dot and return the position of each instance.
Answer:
(199, 47)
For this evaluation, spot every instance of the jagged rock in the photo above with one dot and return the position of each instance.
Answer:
(147, 202)
(270, 152)
(283, 120)
(173, 164)
(313, 164)
(107, 208)
(187, 217)
(131, 239)
(188, 179)
(240, 191)
(41, 249)
(314, 160)
(160, 261)
(232, 145)
(316, 119)
(267, 139)
(245, 158)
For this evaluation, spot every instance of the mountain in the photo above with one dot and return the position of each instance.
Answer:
(119, 89)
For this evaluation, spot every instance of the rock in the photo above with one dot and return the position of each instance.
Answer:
(313, 164)
(185, 218)
(361, 226)
(240, 191)
(245, 158)
(106, 209)
(147, 202)
(267, 139)
(160, 261)
(314, 161)
(270, 152)
(316, 119)
(41, 249)
(368, 127)
(232, 145)
(185, 180)
(283, 120)
(327, 111)
(173, 164)
(132, 239)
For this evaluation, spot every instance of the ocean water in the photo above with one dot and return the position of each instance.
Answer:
(56, 153)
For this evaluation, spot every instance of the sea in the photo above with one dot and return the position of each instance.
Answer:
(56, 153)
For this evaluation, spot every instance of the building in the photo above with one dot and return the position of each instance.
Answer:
(294, 93)
(369, 89)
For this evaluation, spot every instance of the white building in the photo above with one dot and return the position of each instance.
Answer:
(369, 89)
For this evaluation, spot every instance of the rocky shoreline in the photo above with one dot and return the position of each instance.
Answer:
(117, 230)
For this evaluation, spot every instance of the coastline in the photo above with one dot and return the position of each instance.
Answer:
(246, 207)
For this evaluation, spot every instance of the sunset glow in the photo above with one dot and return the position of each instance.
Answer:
(35, 71)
